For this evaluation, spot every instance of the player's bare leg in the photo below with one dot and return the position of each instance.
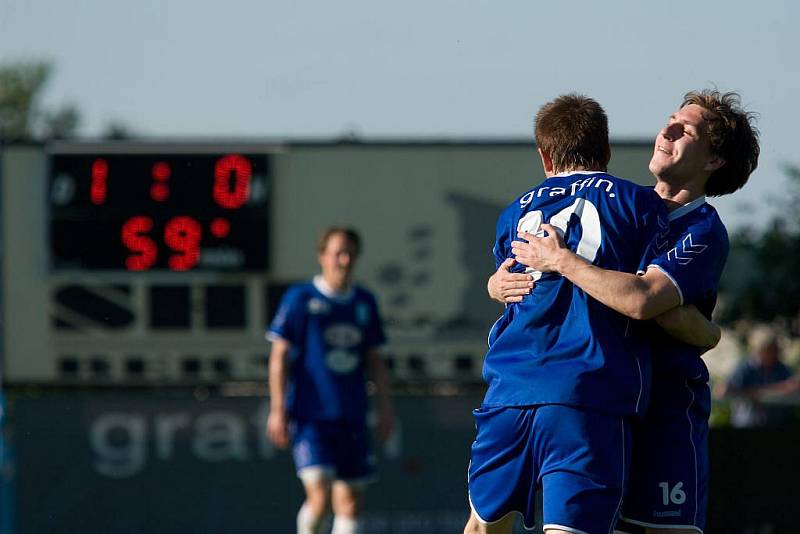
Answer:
(347, 503)
(311, 517)
(475, 526)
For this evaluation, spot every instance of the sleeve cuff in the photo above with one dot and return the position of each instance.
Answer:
(674, 282)
(273, 336)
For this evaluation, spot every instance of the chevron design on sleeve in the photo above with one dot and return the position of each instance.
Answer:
(663, 234)
(688, 249)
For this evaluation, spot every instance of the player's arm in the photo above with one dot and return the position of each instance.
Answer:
(376, 371)
(735, 387)
(277, 424)
(780, 389)
(506, 287)
(688, 325)
(639, 297)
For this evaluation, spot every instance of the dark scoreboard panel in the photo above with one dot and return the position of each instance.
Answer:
(158, 212)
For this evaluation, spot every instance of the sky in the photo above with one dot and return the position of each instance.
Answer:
(432, 69)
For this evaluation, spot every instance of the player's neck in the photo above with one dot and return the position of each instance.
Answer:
(332, 288)
(553, 172)
(675, 196)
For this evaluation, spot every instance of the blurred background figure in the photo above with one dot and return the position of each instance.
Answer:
(759, 382)
(324, 339)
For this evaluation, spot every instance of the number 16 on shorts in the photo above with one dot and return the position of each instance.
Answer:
(676, 495)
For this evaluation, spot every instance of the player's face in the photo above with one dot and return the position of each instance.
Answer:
(337, 260)
(682, 151)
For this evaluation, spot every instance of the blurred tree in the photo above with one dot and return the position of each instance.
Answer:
(761, 282)
(117, 130)
(21, 117)
(62, 123)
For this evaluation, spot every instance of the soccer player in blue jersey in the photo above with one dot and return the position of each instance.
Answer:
(324, 339)
(708, 147)
(564, 372)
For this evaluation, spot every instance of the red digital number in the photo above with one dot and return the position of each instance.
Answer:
(238, 169)
(99, 188)
(135, 239)
(183, 234)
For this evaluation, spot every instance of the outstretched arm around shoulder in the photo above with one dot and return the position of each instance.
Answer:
(637, 297)
(652, 295)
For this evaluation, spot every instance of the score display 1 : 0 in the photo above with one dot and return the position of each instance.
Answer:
(139, 212)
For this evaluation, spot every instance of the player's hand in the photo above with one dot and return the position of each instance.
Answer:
(506, 287)
(278, 429)
(540, 252)
(385, 425)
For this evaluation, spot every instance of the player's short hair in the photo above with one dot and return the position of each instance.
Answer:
(349, 233)
(573, 131)
(732, 135)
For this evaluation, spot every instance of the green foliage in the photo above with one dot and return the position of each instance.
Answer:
(62, 123)
(21, 117)
(761, 282)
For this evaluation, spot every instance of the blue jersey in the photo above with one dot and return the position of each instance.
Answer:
(693, 258)
(330, 336)
(560, 346)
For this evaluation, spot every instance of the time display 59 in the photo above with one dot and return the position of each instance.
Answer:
(167, 212)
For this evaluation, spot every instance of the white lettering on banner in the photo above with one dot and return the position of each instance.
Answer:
(220, 436)
(120, 442)
(118, 458)
(166, 428)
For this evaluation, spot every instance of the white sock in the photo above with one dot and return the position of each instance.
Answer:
(308, 524)
(346, 525)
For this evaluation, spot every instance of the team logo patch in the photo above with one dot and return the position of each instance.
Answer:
(362, 314)
(342, 336)
(317, 306)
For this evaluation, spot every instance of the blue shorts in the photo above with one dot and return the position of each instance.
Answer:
(578, 457)
(336, 450)
(669, 479)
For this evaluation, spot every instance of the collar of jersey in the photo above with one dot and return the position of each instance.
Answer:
(570, 173)
(324, 288)
(686, 208)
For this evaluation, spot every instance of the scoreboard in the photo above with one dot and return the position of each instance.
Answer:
(135, 263)
(151, 212)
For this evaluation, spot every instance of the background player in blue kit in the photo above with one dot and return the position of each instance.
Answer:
(324, 338)
(564, 372)
(707, 147)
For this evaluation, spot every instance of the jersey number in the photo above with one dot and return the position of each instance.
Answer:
(590, 223)
(676, 496)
